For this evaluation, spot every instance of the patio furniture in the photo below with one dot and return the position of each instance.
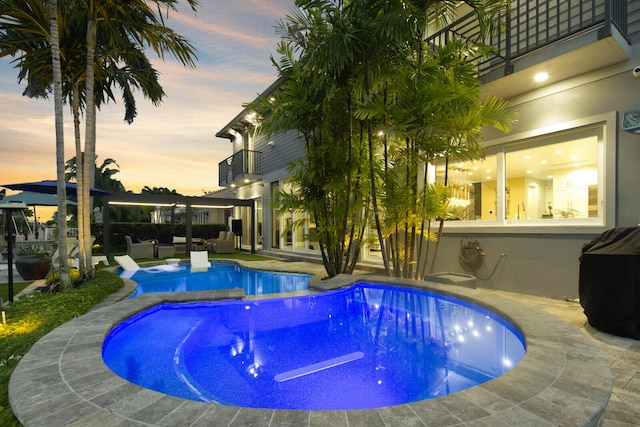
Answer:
(210, 243)
(164, 246)
(180, 244)
(138, 249)
(165, 251)
(97, 259)
(127, 263)
(224, 244)
(199, 261)
(129, 266)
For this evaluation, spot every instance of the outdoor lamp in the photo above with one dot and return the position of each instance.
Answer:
(4, 317)
(10, 208)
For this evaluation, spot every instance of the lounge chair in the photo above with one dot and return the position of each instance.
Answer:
(127, 263)
(139, 249)
(225, 243)
(129, 266)
(199, 261)
(211, 243)
(97, 259)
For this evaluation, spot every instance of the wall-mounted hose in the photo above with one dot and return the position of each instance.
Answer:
(472, 255)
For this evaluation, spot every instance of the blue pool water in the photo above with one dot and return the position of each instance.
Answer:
(365, 346)
(219, 276)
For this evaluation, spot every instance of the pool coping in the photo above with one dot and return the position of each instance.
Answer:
(563, 378)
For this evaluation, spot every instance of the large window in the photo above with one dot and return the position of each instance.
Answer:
(302, 237)
(473, 187)
(555, 179)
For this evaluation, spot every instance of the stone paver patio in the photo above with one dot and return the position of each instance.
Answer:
(564, 378)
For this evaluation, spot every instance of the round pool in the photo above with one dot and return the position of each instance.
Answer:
(365, 346)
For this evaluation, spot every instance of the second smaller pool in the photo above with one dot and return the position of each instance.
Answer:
(219, 276)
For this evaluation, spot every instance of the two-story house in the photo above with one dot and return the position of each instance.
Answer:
(566, 172)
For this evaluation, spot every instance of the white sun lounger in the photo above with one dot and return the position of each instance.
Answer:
(199, 261)
(130, 266)
(126, 262)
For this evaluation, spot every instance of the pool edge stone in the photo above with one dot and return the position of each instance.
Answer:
(580, 399)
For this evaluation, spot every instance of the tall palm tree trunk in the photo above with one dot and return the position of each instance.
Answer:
(79, 177)
(62, 186)
(89, 145)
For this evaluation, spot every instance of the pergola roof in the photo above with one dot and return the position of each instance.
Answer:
(189, 202)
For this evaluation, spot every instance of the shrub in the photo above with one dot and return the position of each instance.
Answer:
(74, 275)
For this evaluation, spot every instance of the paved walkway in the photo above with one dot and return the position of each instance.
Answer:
(570, 365)
(623, 355)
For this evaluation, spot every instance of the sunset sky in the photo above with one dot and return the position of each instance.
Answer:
(173, 145)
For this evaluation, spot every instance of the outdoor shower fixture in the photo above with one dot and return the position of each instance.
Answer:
(523, 209)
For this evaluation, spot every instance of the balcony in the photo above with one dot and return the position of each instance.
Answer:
(241, 168)
(565, 37)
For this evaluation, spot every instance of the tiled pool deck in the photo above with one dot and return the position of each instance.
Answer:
(564, 378)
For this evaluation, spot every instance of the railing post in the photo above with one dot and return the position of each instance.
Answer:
(605, 31)
(508, 66)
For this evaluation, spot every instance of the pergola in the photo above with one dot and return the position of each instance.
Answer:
(162, 200)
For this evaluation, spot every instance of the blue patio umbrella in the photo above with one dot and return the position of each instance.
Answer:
(51, 187)
(30, 198)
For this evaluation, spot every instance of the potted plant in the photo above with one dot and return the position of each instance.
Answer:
(33, 261)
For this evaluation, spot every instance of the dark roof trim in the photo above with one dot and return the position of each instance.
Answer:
(238, 123)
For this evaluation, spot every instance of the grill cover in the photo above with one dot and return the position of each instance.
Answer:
(610, 281)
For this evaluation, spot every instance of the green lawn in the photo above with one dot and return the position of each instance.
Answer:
(17, 287)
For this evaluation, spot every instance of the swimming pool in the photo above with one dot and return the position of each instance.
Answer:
(364, 346)
(220, 275)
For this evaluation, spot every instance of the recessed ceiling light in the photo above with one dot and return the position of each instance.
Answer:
(540, 77)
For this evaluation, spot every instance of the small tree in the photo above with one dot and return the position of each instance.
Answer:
(328, 182)
(435, 110)
(406, 102)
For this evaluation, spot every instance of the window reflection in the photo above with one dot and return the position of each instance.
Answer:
(473, 187)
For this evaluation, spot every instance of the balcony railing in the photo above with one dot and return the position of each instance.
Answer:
(245, 164)
(534, 24)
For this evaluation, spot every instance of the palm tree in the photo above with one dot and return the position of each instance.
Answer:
(371, 48)
(328, 181)
(62, 185)
(115, 35)
(27, 33)
(131, 24)
(103, 176)
(436, 111)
